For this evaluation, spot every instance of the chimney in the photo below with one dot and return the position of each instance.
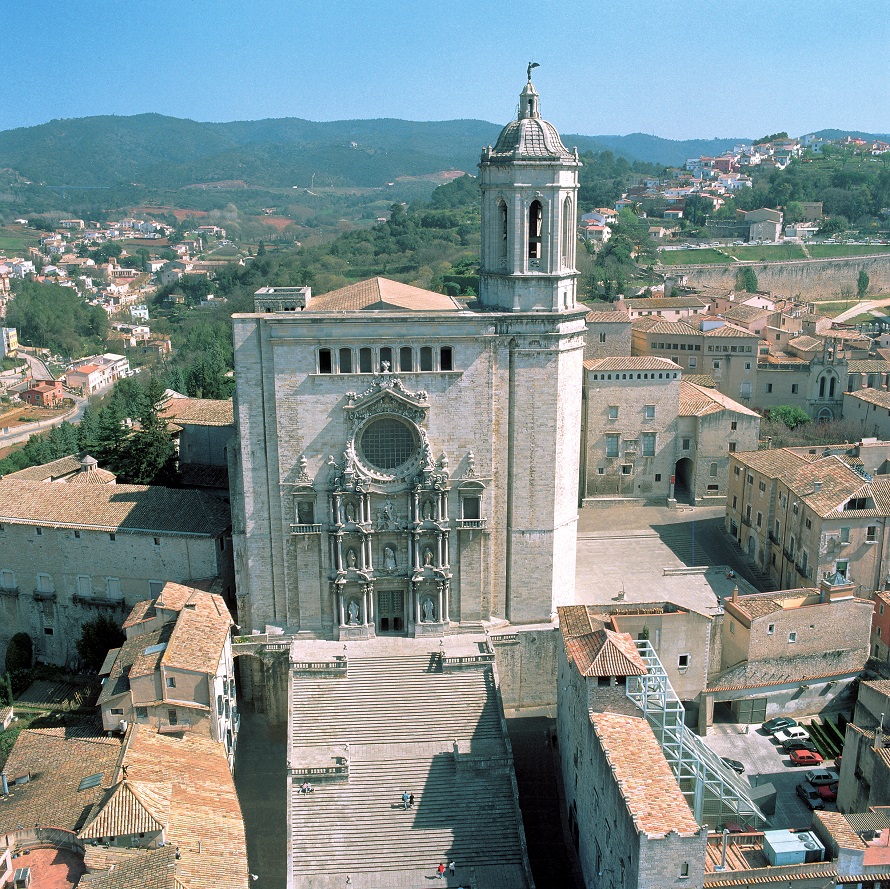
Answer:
(735, 594)
(4, 784)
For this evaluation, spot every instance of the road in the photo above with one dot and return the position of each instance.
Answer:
(861, 308)
(19, 434)
(39, 371)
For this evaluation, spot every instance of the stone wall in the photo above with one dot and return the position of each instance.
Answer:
(527, 663)
(807, 278)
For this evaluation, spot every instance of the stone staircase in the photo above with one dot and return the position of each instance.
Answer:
(400, 717)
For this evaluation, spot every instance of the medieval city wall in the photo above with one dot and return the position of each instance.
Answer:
(806, 278)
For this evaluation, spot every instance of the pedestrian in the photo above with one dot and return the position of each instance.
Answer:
(406, 798)
(441, 870)
(451, 867)
(411, 801)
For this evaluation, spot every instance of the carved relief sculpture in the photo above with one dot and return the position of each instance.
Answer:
(351, 559)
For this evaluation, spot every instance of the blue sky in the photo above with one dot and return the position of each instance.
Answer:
(675, 68)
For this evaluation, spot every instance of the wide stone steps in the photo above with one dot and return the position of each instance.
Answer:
(362, 826)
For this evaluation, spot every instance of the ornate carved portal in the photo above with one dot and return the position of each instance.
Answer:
(389, 521)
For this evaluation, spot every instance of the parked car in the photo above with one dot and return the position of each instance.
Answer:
(822, 776)
(799, 744)
(795, 733)
(733, 764)
(828, 792)
(805, 758)
(777, 723)
(810, 796)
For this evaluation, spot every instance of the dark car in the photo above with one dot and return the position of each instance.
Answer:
(799, 744)
(733, 764)
(810, 796)
(777, 723)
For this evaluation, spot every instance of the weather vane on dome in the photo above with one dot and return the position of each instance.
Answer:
(530, 66)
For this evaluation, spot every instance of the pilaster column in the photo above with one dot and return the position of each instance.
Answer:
(341, 606)
(440, 597)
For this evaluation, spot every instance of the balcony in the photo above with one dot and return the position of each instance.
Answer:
(12, 592)
(90, 601)
(44, 595)
(800, 570)
(773, 537)
(305, 529)
(787, 554)
(471, 524)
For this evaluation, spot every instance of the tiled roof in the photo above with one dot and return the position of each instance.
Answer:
(605, 653)
(199, 411)
(669, 302)
(579, 620)
(704, 380)
(868, 366)
(172, 597)
(774, 463)
(761, 604)
(806, 344)
(132, 661)
(136, 508)
(51, 471)
(782, 671)
(656, 325)
(130, 807)
(728, 330)
(199, 635)
(94, 476)
(650, 791)
(839, 829)
(878, 397)
(57, 762)
(643, 362)
(613, 317)
(382, 294)
(696, 401)
(745, 313)
(145, 868)
(204, 806)
(838, 483)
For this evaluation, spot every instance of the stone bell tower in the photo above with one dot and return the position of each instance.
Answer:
(529, 183)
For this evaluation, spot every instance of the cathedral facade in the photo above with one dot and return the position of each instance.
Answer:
(408, 464)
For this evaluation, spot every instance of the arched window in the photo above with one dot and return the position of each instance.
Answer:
(831, 388)
(535, 227)
(406, 359)
(346, 361)
(502, 241)
(568, 240)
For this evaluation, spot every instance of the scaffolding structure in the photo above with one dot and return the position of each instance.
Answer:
(715, 793)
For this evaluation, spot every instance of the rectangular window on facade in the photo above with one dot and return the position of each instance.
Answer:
(117, 711)
(687, 443)
(113, 587)
(792, 637)
(683, 661)
(748, 512)
(38, 531)
(44, 583)
(142, 712)
(794, 388)
(759, 519)
(471, 508)
(613, 411)
(712, 470)
(733, 426)
(172, 718)
(747, 365)
(693, 362)
(365, 361)
(84, 585)
(770, 629)
(658, 476)
(871, 534)
(613, 442)
(647, 442)
(845, 535)
(626, 469)
(762, 487)
(171, 682)
(732, 445)
(406, 359)
(7, 579)
(735, 501)
(346, 361)
(808, 524)
(446, 358)
(841, 567)
(716, 363)
(325, 361)
(769, 387)
(426, 358)
(735, 469)
(112, 536)
(49, 631)
(602, 337)
(750, 479)
(649, 411)
(76, 534)
(305, 512)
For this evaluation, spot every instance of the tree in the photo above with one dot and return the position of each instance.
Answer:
(19, 653)
(97, 638)
(790, 414)
(745, 279)
(147, 456)
(862, 283)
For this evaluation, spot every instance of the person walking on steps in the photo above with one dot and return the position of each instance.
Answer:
(451, 867)
(441, 870)
(406, 798)
(411, 801)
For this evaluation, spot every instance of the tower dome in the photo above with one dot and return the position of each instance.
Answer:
(529, 137)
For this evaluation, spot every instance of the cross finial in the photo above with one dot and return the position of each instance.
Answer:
(530, 66)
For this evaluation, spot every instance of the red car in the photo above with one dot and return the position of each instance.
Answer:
(805, 758)
(828, 792)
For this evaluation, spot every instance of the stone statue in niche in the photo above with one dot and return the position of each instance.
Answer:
(351, 560)
(427, 511)
(428, 558)
(350, 511)
(386, 516)
(353, 611)
(429, 614)
(389, 559)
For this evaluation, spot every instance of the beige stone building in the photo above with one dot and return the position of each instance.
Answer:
(409, 464)
(175, 671)
(608, 334)
(868, 412)
(75, 545)
(801, 516)
(204, 431)
(705, 345)
(670, 308)
(649, 435)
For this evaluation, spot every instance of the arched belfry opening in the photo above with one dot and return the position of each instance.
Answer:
(535, 233)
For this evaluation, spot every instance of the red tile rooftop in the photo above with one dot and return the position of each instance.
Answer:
(51, 868)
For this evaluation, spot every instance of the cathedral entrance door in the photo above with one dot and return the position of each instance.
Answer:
(390, 611)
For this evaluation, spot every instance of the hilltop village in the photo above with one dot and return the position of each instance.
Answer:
(506, 572)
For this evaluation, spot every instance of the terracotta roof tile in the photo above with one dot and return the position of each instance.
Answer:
(772, 463)
(878, 397)
(656, 325)
(607, 317)
(669, 302)
(696, 401)
(147, 869)
(650, 791)
(120, 508)
(199, 634)
(382, 294)
(605, 653)
(199, 411)
(643, 362)
(806, 344)
(868, 366)
(130, 807)
(203, 805)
